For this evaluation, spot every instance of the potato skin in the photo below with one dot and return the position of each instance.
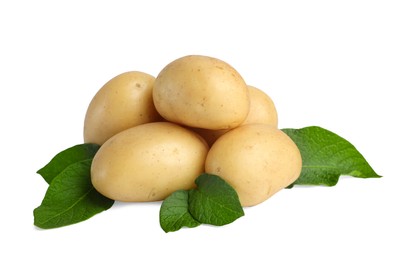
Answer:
(201, 91)
(261, 111)
(123, 102)
(257, 160)
(148, 162)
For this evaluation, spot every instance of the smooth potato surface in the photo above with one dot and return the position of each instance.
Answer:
(200, 91)
(123, 102)
(257, 160)
(148, 162)
(261, 111)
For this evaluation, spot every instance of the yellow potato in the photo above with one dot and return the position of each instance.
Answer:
(257, 160)
(123, 102)
(148, 162)
(200, 91)
(261, 111)
(210, 136)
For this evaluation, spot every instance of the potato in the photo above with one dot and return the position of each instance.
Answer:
(148, 162)
(209, 135)
(257, 160)
(200, 91)
(261, 111)
(123, 102)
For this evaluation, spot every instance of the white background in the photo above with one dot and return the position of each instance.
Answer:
(336, 64)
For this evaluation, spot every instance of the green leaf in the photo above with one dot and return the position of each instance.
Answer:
(214, 201)
(326, 156)
(70, 198)
(67, 157)
(174, 212)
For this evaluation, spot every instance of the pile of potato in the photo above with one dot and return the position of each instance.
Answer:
(198, 115)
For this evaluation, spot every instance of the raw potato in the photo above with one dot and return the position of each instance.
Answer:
(210, 136)
(257, 160)
(148, 162)
(262, 111)
(123, 102)
(200, 91)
